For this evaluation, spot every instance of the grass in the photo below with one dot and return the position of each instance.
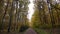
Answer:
(40, 31)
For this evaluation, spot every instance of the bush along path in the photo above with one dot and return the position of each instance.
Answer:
(40, 31)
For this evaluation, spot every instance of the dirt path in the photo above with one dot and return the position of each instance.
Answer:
(30, 31)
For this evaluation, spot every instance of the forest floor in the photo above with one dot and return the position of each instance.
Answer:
(28, 31)
(32, 31)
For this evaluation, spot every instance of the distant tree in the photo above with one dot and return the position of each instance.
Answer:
(41, 16)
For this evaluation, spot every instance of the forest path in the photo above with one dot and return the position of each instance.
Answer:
(30, 31)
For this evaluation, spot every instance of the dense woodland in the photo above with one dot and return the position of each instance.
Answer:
(13, 14)
(47, 14)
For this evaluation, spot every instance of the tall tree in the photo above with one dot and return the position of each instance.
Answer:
(14, 14)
